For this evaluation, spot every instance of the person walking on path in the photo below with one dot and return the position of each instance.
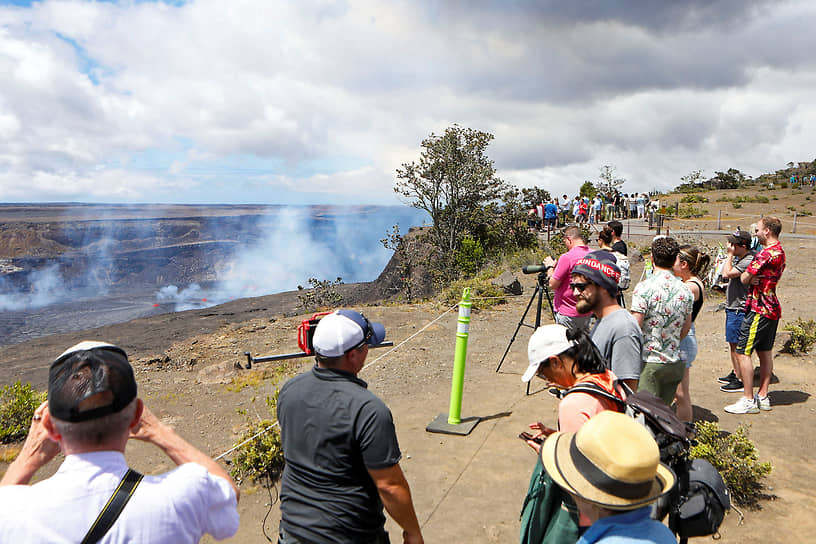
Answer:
(737, 260)
(340, 445)
(690, 264)
(762, 314)
(91, 413)
(662, 306)
(558, 280)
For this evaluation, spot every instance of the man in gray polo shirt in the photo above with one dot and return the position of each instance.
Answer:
(340, 446)
(616, 332)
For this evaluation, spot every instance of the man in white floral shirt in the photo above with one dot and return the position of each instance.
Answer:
(661, 304)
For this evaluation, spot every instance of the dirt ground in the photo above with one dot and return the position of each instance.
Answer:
(465, 489)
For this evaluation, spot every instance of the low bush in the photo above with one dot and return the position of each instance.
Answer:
(803, 335)
(736, 205)
(694, 198)
(323, 294)
(17, 404)
(469, 257)
(482, 292)
(735, 456)
(688, 211)
(261, 459)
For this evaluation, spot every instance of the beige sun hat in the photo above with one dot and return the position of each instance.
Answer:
(612, 461)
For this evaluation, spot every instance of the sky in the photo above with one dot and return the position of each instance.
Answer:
(319, 102)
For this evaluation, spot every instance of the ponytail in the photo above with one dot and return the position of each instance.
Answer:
(585, 353)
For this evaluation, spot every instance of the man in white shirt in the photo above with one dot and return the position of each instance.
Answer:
(91, 413)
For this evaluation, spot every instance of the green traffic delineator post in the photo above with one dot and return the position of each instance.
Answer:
(452, 422)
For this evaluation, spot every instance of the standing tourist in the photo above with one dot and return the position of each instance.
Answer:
(91, 413)
(565, 358)
(340, 445)
(738, 258)
(559, 274)
(616, 332)
(662, 305)
(690, 264)
(611, 467)
(762, 314)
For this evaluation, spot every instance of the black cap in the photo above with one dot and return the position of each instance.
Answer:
(90, 380)
(740, 237)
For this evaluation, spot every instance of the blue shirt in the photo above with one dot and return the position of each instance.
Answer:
(627, 528)
(550, 211)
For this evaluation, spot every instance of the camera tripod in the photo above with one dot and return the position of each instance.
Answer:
(541, 289)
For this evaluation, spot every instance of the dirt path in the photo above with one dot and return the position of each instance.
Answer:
(466, 489)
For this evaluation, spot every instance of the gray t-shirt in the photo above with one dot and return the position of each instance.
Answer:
(333, 431)
(736, 292)
(619, 340)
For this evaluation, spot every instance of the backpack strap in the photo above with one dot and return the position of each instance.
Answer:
(598, 391)
(110, 513)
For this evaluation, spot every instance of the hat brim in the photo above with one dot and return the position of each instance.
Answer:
(555, 456)
(377, 334)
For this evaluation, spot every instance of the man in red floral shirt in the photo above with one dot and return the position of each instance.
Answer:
(762, 313)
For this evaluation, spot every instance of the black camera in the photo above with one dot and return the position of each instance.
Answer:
(535, 268)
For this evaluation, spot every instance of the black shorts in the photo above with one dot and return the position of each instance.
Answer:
(757, 333)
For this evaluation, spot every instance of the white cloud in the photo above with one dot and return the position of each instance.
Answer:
(275, 101)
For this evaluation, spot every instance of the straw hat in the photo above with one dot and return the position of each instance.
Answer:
(611, 461)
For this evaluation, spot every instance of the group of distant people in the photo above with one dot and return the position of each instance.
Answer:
(559, 212)
(339, 441)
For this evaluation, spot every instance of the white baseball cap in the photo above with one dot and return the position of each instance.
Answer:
(545, 342)
(344, 330)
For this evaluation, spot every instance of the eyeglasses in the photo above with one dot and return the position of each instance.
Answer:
(579, 286)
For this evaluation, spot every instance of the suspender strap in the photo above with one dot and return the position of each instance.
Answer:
(114, 507)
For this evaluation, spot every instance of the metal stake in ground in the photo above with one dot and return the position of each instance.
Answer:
(452, 423)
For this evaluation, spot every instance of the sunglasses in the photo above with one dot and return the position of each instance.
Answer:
(368, 332)
(579, 286)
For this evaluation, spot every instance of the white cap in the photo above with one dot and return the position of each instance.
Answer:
(343, 330)
(545, 342)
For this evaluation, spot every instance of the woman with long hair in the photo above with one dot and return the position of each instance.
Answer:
(690, 264)
(564, 358)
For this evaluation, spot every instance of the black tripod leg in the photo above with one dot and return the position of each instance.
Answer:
(538, 316)
(521, 323)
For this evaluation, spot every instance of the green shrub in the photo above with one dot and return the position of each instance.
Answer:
(784, 185)
(736, 205)
(803, 335)
(694, 198)
(262, 457)
(688, 211)
(17, 404)
(469, 257)
(482, 292)
(735, 456)
(323, 294)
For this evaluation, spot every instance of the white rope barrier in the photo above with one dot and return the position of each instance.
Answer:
(267, 429)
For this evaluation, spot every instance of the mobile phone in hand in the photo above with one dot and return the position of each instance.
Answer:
(527, 436)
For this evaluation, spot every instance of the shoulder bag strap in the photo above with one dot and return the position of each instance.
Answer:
(114, 507)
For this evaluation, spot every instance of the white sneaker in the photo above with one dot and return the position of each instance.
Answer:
(743, 406)
(763, 403)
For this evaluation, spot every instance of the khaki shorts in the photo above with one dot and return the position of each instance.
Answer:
(662, 379)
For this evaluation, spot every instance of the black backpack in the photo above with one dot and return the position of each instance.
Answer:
(698, 503)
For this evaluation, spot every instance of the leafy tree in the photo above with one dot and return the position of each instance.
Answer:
(732, 179)
(453, 181)
(690, 182)
(532, 196)
(588, 189)
(608, 182)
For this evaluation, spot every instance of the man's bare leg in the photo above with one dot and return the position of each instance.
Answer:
(765, 371)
